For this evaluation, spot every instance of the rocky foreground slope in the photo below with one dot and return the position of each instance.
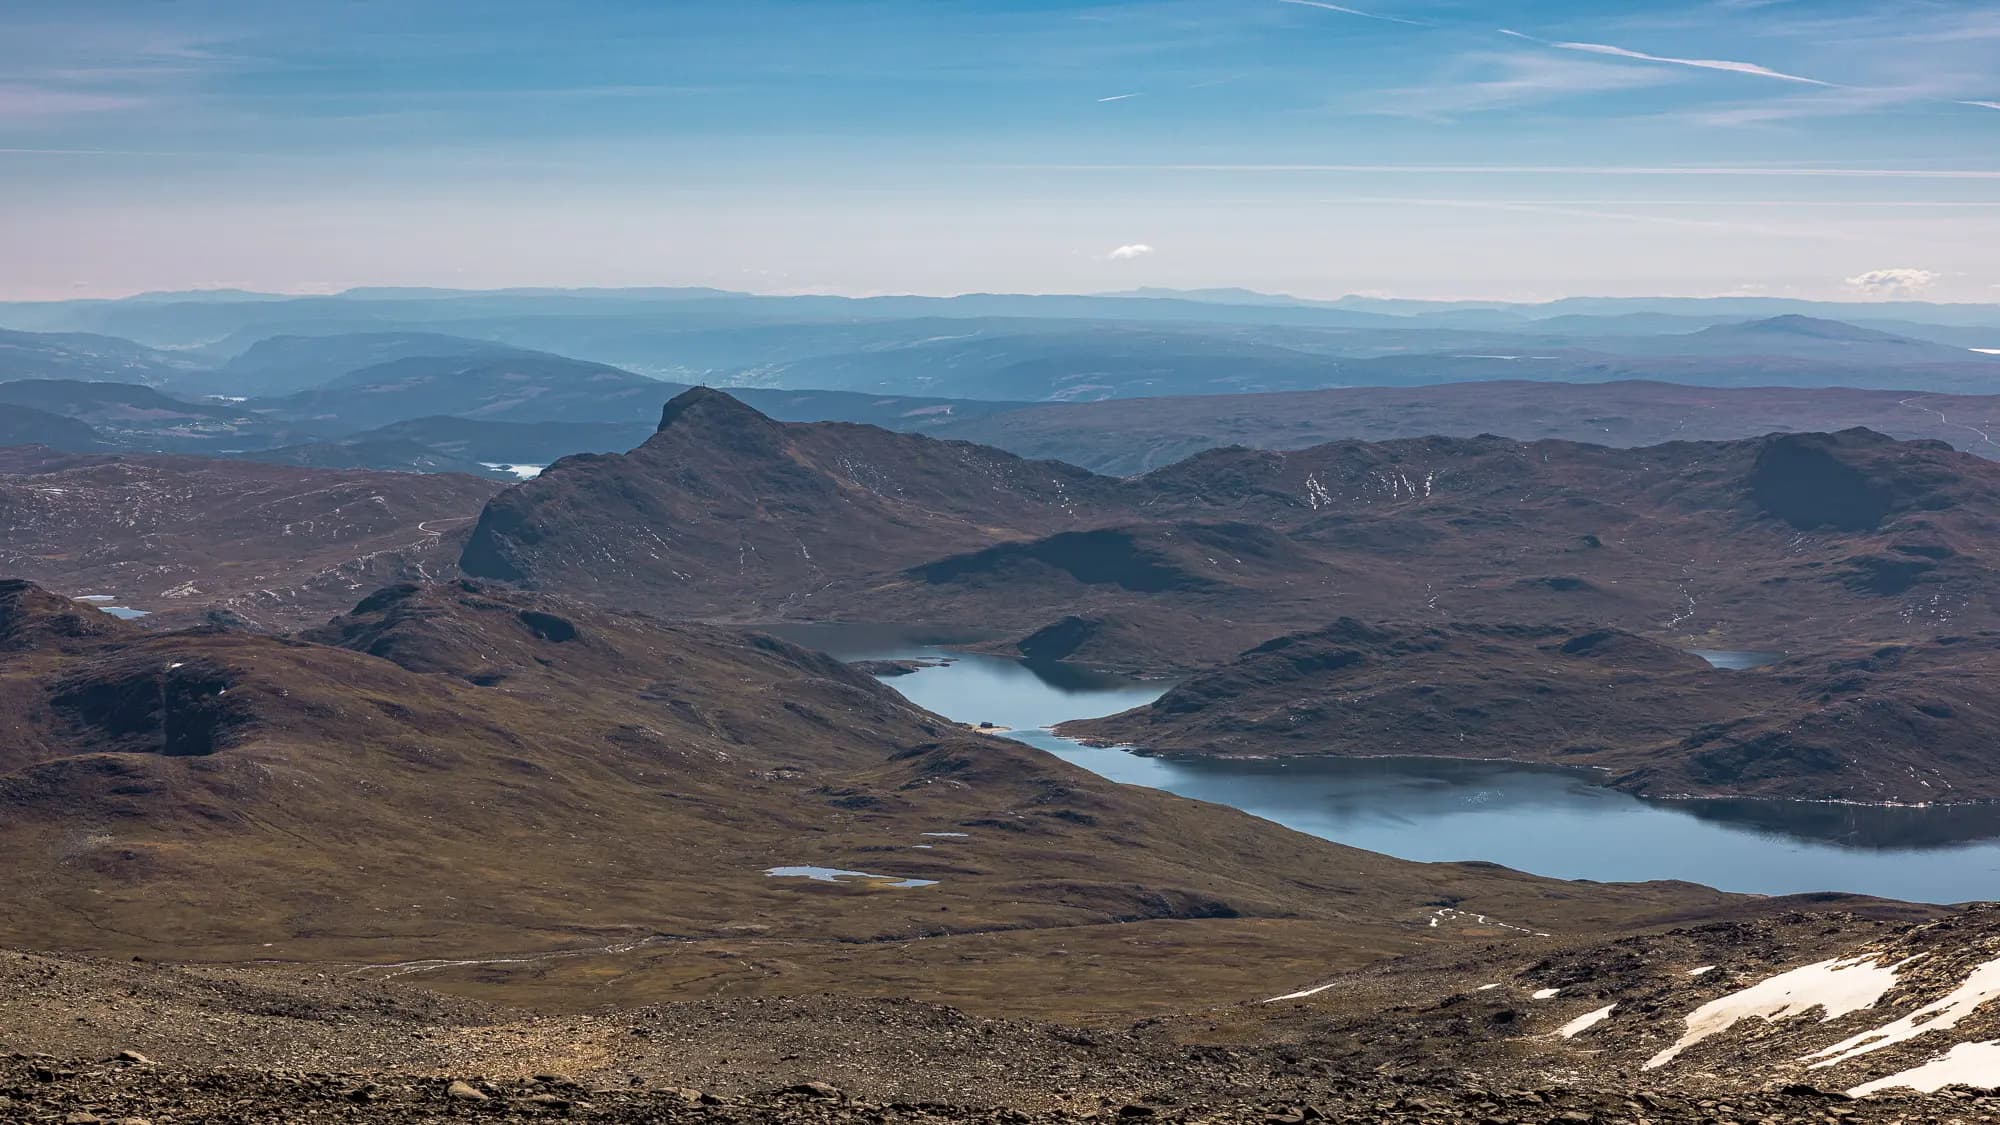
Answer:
(1790, 1017)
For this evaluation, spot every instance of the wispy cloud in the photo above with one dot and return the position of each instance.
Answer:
(1116, 98)
(81, 152)
(1541, 170)
(1669, 60)
(1127, 253)
(1629, 218)
(1833, 102)
(1510, 80)
(1898, 281)
(1982, 105)
(20, 102)
(1354, 12)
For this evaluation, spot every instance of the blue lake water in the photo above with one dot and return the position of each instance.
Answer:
(841, 874)
(1733, 661)
(1548, 821)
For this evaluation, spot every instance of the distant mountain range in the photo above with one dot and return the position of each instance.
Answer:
(315, 381)
(73, 314)
(77, 355)
(283, 365)
(1130, 436)
(1036, 347)
(25, 425)
(135, 417)
(1119, 437)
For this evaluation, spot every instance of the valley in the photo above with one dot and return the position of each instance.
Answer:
(1567, 821)
(406, 711)
(1150, 562)
(338, 795)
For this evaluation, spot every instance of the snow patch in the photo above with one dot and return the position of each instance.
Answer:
(1968, 1064)
(1446, 914)
(1981, 985)
(1584, 1023)
(1836, 987)
(1316, 493)
(1301, 993)
(1544, 994)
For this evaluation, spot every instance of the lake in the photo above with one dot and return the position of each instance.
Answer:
(1545, 820)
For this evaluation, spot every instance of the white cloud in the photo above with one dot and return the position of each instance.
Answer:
(1127, 253)
(1899, 281)
(1117, 97)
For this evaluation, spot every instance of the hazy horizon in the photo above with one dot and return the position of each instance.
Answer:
(1857, 300)
(1524, 150)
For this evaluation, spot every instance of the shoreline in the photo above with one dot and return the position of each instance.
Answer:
(1194, 756)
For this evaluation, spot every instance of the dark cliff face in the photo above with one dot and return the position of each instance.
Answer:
(1804, 481)
(1116, 557)
(1856, 479)
(487, 554)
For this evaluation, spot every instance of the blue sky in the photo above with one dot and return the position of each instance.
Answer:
(1416, 147)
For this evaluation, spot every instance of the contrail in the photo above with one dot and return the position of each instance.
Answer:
(1626, 53)
(1355, 12)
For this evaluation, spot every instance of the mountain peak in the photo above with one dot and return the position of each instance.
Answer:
(1795, 324)
(709, 407)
